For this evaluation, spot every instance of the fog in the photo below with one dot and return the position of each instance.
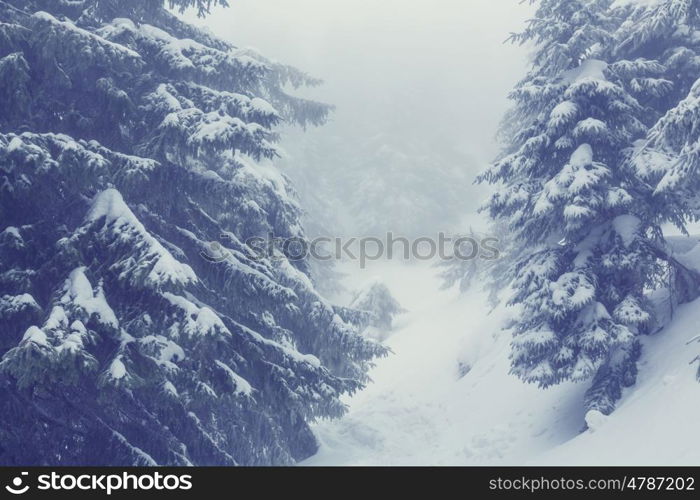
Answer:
(419, 88)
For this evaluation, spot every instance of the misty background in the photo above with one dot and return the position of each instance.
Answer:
(419, 89)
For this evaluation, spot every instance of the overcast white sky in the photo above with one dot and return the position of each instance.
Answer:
(416, 66)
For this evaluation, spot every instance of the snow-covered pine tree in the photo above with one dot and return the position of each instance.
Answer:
(656, 62)
(462, 272)
(376, 299)
(665, 34)
(572, 198)
(484, 262)
(129, 142)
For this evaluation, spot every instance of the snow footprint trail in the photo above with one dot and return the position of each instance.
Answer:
(398, 416)
(419, 410)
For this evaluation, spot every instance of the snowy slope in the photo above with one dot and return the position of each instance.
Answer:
(657, 420)
(420, 411)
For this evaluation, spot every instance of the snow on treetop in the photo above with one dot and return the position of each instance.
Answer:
(36, 335)
(214, 128)
(289, 351)
(262, 106)
(15, 144)
(572, 290)
(181, 54)
(68, 26)
(629, 311)
(117, 370)
(165, 351)
(117, 23)
(563, 111)
(57, 318)
(169, 388)
(651, 162)
(590, 127)
(616, 197)
(582, 156)
(110, 205)
(584, 367)
(17, 302)
(265, 172)
(162, 267)
(198, 320)
(573, 212)
(626, 226)
(163, 93)
(242, 385)
(74, 342)
(294, 274)
(588, 177)
(78, 291)
(590, 68)
(541, 336)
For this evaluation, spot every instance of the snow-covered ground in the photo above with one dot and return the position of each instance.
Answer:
(445, 396)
